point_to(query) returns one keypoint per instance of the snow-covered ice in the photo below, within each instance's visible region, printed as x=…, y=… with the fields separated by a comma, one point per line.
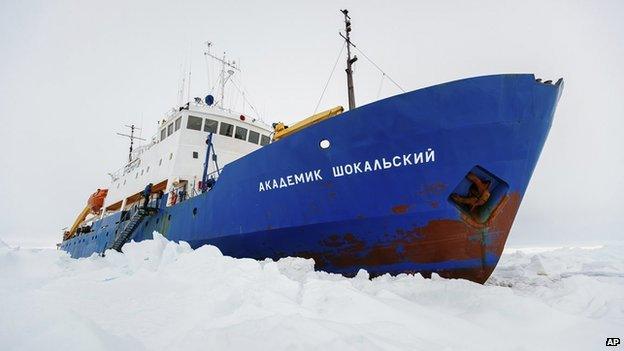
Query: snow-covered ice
x=160, y=295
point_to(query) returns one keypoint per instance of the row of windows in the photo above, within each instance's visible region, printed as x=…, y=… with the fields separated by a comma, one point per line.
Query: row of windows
x=145, y=170
x=81, y=240
x=227, y=129
x=172, y=127
x=212, y=126
x=94, y=237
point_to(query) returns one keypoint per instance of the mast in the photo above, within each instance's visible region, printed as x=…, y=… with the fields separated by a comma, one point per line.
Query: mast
x=350, y=61
x=225, y=74
x=131, y=137
x=206, y=53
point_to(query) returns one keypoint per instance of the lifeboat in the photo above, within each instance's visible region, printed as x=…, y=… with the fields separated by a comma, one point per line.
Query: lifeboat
x=94, y=205
x=96, y=200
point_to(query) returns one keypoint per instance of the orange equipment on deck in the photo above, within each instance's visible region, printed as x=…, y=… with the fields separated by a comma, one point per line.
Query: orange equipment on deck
x=96, y=200
x=94, y=205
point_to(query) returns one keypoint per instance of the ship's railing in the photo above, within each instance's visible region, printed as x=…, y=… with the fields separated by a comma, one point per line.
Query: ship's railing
x=196, y=190
x=190, y=189
x=135, y=163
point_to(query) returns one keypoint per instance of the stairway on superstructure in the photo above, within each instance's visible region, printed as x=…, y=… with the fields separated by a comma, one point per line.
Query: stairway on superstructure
x=132, y=225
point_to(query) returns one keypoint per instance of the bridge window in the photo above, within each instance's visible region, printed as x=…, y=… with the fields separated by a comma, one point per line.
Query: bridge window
x=195, y=154
x=178, y=122
x=241, y=133
x=170, y=129
x=163, y=134
x=265, y=140
x=194, y=123
x=254, y=137
x=226, y=129
x=211, y=126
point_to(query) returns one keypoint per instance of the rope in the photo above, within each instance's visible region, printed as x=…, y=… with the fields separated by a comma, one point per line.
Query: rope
x=244, y=93
x=329, y=79
x=379, y=68
x=380, y=85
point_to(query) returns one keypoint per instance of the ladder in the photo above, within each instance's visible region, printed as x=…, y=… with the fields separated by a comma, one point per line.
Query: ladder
x=132, y=225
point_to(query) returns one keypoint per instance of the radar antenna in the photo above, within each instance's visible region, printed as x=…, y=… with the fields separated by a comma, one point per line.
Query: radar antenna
x=350, y=61
x=131, y=137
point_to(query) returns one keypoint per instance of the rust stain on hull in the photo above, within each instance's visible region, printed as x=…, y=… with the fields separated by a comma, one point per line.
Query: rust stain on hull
x=433, y=189
x=400, y=209
x=438, y=241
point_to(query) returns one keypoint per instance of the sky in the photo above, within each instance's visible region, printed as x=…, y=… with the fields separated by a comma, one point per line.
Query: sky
x=73, y=73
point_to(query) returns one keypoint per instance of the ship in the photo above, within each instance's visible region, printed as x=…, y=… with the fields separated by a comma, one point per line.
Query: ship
x=428, y=181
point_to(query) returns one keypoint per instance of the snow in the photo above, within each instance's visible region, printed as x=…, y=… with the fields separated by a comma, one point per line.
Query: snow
x=160, y=295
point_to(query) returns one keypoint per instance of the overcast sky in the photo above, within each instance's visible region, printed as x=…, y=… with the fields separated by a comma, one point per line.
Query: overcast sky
x=72, y=73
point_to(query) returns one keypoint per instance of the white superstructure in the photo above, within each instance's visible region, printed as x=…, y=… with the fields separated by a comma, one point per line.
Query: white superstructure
x=174, y=158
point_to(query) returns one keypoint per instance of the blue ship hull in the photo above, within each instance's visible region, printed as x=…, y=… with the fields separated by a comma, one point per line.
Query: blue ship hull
x=380, y=197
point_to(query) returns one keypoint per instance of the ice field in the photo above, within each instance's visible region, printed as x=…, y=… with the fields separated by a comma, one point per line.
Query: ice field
x=160, y=295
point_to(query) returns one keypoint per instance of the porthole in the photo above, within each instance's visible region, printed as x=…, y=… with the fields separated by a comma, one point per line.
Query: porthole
x=194, y=211
x=169, y=217
x=324, y=144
